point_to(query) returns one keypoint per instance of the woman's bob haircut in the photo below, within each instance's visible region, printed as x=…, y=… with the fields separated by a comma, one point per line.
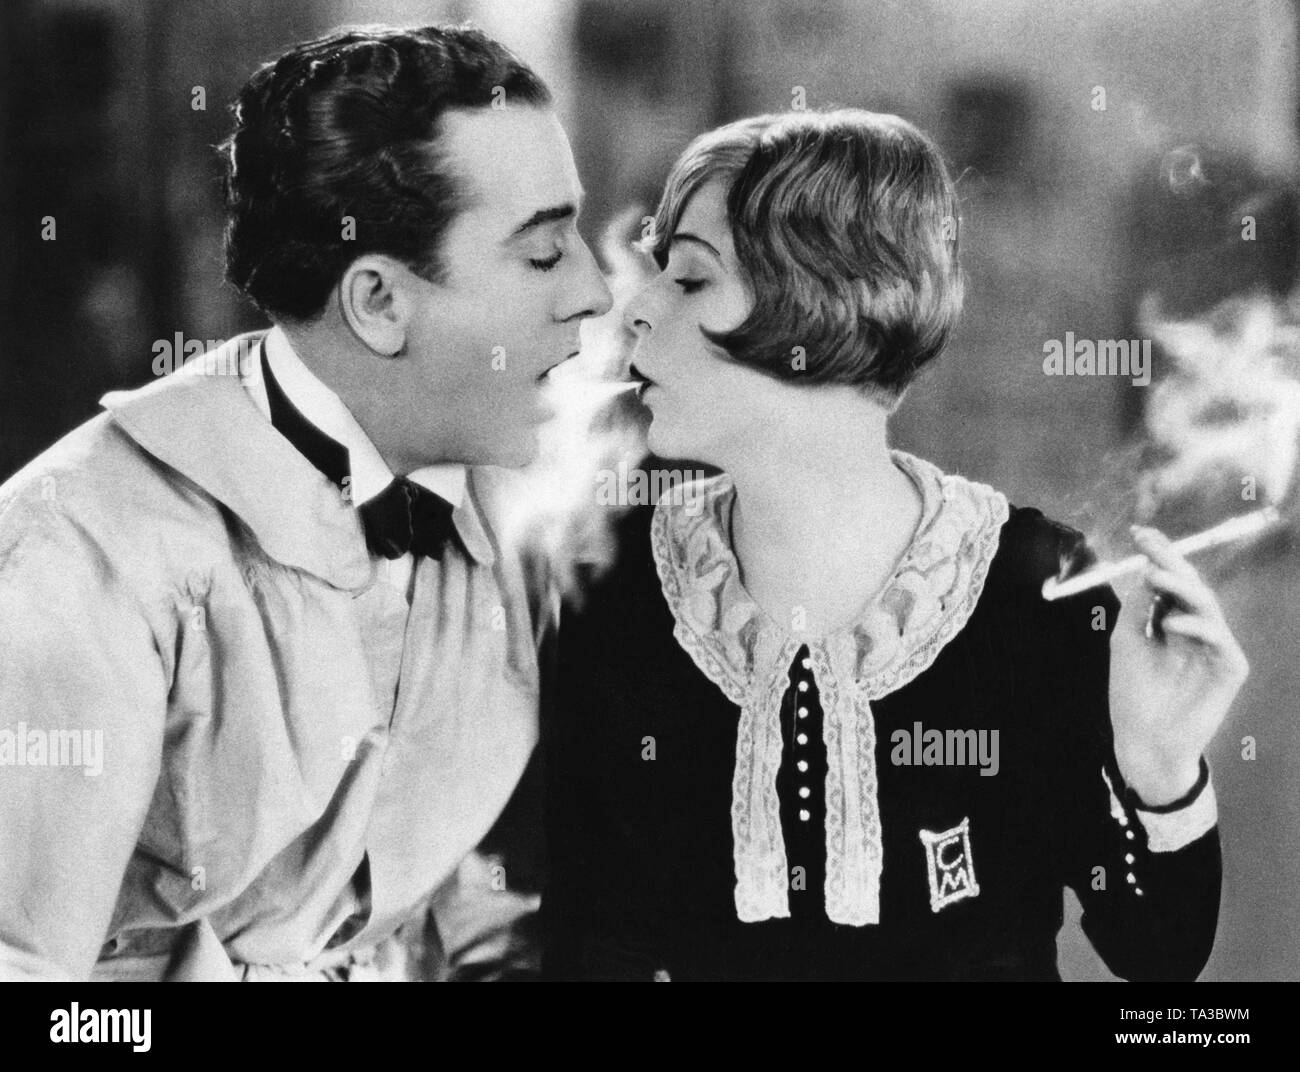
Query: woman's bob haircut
x=846, y=227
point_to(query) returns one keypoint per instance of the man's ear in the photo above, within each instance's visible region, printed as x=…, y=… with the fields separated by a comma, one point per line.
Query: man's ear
x=375, y=303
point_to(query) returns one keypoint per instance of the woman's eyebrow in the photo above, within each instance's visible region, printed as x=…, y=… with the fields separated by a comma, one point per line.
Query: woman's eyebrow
x=686, y=236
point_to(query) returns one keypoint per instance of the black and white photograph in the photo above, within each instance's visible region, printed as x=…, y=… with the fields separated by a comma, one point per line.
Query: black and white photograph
x=650, y=490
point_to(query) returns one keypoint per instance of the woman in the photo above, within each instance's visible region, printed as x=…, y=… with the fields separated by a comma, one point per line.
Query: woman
x=818, y=721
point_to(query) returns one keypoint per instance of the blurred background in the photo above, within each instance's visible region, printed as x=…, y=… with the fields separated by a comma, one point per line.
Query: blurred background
x=1109, y=154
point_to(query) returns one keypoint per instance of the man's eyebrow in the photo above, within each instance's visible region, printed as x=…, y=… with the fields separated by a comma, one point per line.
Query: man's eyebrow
x=686, y=236
x=566, y=211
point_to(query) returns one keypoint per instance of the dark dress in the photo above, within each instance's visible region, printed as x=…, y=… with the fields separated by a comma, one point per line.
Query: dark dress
x=641, y=750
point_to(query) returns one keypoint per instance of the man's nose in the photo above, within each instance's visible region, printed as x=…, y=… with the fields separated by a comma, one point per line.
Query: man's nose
x=595, y=298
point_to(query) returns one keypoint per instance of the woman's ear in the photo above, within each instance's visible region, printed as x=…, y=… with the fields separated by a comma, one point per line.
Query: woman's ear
x=375, y=304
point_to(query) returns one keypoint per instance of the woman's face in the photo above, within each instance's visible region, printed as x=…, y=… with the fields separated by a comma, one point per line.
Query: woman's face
x=705, y=406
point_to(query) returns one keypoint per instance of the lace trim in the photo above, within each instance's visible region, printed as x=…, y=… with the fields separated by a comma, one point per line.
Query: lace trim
x=854, y=856
x=758, y=844
x=927, y=601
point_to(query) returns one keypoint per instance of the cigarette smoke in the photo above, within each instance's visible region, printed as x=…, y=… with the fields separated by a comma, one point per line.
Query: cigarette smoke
x=552, y=511
x=1221, y=429
x=1229, y=411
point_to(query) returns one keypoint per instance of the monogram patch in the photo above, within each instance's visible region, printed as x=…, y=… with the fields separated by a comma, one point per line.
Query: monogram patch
x=951, y=866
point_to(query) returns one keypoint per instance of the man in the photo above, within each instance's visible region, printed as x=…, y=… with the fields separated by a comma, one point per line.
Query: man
x=268, y=674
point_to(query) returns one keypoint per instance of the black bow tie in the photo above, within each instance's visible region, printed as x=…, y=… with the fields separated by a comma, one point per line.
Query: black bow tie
x=403, y=517
x=406, y=517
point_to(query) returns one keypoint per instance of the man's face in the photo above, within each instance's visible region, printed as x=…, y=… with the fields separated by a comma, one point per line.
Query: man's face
x=518, y=282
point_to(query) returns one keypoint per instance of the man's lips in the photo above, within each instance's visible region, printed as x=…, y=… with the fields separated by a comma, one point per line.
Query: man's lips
x=542, y=377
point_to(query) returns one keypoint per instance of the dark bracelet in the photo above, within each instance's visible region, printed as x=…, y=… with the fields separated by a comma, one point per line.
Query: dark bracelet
x=1203, y=779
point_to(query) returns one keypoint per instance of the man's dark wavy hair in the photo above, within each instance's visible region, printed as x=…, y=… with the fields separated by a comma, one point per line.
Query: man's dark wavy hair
x=348, y=126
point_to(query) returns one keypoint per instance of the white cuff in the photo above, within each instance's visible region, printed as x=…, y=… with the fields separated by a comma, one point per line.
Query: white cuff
x=1172, y=830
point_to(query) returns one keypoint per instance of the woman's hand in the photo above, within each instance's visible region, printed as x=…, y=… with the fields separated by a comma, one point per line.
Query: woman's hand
x=1171, y=685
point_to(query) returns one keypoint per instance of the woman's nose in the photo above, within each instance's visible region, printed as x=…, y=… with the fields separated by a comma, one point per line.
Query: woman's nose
x=635, y=315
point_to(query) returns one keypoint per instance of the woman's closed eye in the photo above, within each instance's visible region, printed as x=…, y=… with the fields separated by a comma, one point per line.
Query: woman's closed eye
x=688, y=283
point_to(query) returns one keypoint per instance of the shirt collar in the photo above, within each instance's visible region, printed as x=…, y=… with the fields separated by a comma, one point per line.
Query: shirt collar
x=940, y=572
x=204, y=422
x=324, y=408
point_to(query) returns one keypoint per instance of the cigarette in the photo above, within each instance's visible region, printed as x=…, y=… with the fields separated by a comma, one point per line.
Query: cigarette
x=1242, y=527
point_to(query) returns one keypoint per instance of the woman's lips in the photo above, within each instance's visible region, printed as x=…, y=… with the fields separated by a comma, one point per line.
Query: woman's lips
x=646, y=382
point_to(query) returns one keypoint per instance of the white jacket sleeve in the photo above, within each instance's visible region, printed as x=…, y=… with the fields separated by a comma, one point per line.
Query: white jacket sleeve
x=83, y=697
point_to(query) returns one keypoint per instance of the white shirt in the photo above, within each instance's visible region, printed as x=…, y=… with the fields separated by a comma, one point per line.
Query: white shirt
x=270, y=710
x=323, y=408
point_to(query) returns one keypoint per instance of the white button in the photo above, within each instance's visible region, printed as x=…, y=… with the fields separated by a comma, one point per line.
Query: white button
x=804, y=815
x=803, y=686
x=807, y=662
x=1137, y=890
x=1128, y=857
x=801, y=739
x=1128, y=834
x=803, y=712
x=805, y=792
x=803, y=765
x=1132, y=879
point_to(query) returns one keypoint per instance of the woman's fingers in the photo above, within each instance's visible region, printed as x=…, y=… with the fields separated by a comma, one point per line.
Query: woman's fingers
x=1189, y=592
x=1160, y=549
x=1172, y=573
x=1214, y=635
x=1192, y=610
x=1196, y=627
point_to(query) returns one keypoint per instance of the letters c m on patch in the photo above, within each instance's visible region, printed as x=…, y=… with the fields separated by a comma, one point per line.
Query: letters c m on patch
x=950, y=864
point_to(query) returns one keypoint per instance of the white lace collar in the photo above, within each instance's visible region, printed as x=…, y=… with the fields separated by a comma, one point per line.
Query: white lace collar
x=923, y=605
